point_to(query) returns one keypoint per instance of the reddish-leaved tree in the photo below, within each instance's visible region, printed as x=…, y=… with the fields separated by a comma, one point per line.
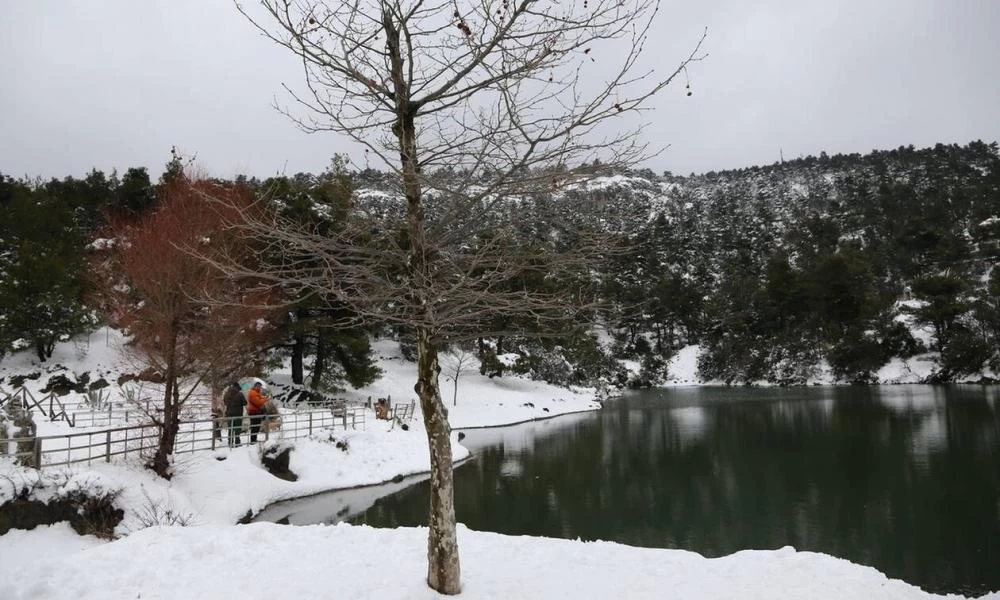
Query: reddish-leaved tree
x=187, y=321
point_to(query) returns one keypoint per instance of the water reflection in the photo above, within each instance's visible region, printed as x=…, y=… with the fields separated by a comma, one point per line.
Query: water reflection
x=902, y=478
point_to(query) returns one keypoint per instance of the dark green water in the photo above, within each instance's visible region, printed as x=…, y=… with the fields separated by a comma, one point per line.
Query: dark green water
x=902, y=478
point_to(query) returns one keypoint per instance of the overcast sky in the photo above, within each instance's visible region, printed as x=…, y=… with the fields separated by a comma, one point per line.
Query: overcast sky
x=116, y=83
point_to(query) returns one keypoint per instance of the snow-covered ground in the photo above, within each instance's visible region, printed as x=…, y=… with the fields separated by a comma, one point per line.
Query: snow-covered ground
x=223, y=486
x=342, y=561
x=20, y=550
x=213, y=558
x=219, y=488
x=682, y=370
x=481, y=401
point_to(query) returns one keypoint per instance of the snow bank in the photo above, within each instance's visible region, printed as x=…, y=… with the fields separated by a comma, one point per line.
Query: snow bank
x=481, y=401
x=343, y=561
x=100, y=352
x=912, y=370
x=682, y=369
x=20, y=550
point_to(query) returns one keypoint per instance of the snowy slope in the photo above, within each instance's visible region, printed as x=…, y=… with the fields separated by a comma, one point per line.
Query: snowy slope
x=481, y=401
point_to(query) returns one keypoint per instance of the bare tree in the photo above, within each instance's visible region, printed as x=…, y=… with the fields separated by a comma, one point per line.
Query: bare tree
x=504, y=98
x=457, y=360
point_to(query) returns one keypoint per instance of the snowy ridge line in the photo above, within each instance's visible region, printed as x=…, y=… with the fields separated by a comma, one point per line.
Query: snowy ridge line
x=202, y=435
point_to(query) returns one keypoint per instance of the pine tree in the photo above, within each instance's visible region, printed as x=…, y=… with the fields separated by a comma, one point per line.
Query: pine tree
x=41, y=293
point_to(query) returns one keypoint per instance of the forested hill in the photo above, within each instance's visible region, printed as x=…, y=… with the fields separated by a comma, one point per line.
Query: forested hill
x=780, y=272
x=775, y=269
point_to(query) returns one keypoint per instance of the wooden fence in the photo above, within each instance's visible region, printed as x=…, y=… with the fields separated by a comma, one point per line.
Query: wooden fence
x=50, y=406
x=79, y=410
x=193, y=436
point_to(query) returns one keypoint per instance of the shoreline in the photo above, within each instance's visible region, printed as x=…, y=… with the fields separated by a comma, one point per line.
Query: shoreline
x=249, y=518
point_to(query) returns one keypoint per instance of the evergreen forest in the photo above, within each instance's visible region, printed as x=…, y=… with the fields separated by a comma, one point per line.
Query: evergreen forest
x=842, y=262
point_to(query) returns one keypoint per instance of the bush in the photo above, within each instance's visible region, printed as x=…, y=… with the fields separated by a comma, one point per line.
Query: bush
x=732, y=359
x=898, y=341
x=590, y=362
x=549, y=365
x=652, y=371
x=856, y=357
x=89, y=507
x=964, y=354
x=489, y=364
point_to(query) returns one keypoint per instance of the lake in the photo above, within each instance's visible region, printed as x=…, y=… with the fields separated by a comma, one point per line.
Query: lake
x=905, y=479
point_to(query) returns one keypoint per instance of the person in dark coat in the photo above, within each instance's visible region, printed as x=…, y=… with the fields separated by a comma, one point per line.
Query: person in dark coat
x=234, y=402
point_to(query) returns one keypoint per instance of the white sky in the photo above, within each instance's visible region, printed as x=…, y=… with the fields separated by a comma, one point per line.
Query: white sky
x=115, y=83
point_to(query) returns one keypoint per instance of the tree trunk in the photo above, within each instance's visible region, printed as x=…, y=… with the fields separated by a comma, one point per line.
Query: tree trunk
x=297, y=352
x=443, y=569
x=319, y=367
x=171, y=421
x=44, y=346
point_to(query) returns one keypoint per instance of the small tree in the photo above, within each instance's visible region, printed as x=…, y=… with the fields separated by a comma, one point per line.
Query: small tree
x=483, y=103
x=135, y=193
x=155, y=288
x=942, y=295
x=456, y=361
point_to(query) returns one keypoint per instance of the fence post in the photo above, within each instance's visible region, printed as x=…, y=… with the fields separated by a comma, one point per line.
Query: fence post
x=107, y=446
x=38, y=452
x=310, y=423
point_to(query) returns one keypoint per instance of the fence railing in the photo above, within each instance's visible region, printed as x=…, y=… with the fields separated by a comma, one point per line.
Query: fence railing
x=122, y=413
x=192, y=436
x=80, y=411
x=50, y=405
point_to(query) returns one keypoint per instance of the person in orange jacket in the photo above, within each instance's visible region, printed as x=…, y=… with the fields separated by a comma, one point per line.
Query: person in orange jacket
x=255, y=408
